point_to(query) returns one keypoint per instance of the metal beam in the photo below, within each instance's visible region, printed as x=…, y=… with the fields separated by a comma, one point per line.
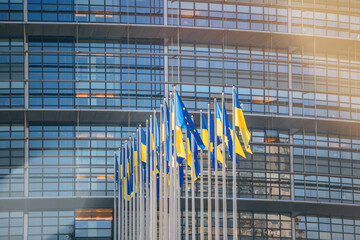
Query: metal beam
x=186, y=33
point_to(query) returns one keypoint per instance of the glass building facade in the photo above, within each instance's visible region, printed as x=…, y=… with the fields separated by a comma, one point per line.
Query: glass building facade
x=78, y=76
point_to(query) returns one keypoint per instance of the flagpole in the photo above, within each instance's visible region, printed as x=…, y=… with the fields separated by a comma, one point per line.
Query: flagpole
x=224, y=171
x=216, y=178
x=165, y=150
x=141, y=193
x=134, y=189
x=138, y=162
x=235, y=235
x=186, y=190
x=121, y=198
x=192, y=147
x=171, y=189
x=161, y=164
x=147, y=232
x=151, y=229
x=174, y=234
x=201, y=186
x=126, y=194
x=155, y=162
x=129, y=196
x=115, y=188
x=209, y=176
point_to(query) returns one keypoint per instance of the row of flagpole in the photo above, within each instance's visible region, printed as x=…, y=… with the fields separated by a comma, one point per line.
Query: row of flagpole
x=149, y=173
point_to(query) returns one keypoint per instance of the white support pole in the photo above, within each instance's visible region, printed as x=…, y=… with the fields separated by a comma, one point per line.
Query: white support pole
x=126, y=194
x=138, y=163
x=134, y=193
x=165, y=164
x=161, y=173
x=186, y=195
x=193, y=219
x=235, y=234
x=151, y=223
x=147, y=174
x=201, y=186
x=174, y=220
x=172, y=163
x=209, y=219
x=141, y=190
x=224, y=170
x=121, y=200
x=216, y=177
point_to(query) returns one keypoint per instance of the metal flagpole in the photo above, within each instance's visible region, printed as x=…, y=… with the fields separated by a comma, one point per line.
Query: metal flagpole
x=161, y=199
x=147, y=222
x=134, y=192
x=193, y=220
x=141, y=196
x=151, y=223
x=201, y=186
x=120, y=202
x=209, y=176
x=121, y=198
x=115, y=188
x=125, y=193
x=235, y=235
x=187, y=192
x=129, y=197
x=165, y=151
x=172, y=158
x=224, y=172
x=174, y=233
x=138, y=162
x=216, y=178
x=154, y=220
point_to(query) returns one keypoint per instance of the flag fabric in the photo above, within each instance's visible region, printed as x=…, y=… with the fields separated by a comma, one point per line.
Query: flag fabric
x=204, y=131
x=166, y=130
x=135, y=154
x=143, y=146
x=240, y=122
x=222, y=122
x=205, y=135
x=116, y=172
x=180, y=149
x=184, y=121
x=191, y=155
x=229, y=134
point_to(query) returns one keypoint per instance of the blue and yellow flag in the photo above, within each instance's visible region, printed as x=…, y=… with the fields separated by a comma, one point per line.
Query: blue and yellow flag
x=240, y=122
x=143, y=146
x=129, y=169
x=116, y=172
x=180, y=149
x=190, y=156
x=223, y=121
x=205, y=134
x=135, y=154
x=184, y=121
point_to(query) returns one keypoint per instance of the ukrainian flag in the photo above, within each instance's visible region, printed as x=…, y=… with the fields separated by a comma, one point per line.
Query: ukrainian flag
x=143, y=146
x=221, y=117
x=196, y=166
x=240, y=122
x=229, y=133
x=205, y=134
